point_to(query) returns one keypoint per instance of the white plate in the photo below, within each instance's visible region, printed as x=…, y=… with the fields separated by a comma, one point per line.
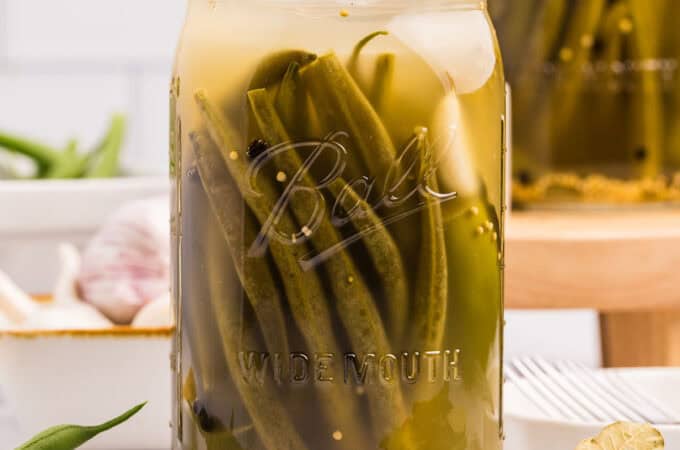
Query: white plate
x=527, y=429
x=50, y=378
x=37, y=215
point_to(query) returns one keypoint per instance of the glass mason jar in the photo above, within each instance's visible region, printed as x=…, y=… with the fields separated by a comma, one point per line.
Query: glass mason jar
x=596, y=99
x=338, y=225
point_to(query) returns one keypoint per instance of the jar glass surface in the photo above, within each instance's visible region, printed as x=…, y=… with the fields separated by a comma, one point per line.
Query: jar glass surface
x=596, y=100
x=337, y=226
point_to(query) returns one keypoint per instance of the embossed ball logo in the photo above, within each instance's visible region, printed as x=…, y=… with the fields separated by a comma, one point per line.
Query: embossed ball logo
x=404, y=191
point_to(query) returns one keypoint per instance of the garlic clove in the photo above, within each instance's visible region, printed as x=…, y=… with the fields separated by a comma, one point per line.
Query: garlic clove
x=157, y=314
x=15, y=304
x=65, y=289
x=72, y=316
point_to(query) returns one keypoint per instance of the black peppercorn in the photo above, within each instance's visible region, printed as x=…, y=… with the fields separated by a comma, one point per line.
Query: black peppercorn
x=256, y=148
x=205, y=421
x=640, y=154
x=524, y=177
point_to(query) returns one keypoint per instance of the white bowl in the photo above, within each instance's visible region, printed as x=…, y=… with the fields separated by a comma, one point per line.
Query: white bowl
x=527, y=429
x=88, y=377
x=39, y=214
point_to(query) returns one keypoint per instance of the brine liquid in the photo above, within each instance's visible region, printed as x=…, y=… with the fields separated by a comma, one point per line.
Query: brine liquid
x=338, y=229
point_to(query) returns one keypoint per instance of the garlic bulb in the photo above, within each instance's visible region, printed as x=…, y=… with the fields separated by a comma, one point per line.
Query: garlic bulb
x=126, y=265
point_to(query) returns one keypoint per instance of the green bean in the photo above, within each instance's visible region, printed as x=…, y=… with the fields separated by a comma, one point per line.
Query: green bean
x=201, y=334
x=340, y=103
x=531, y=81
x=574, y=55
x=272, y=68
x=648, y=101
x=44, y=156
x=270, y=418
x=69, y=437
x=473, y=241
x=431, y=299
x=382, y=81
x=384, y=254
x=515, y=32
x=290, y=100
x=303, y=288
x=105, y=163
x=354, y=302
x=254, y=273
x=353, y=63
x=70, y=164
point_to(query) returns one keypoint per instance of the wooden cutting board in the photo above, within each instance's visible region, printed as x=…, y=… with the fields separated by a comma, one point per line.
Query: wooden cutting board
x=625, y=264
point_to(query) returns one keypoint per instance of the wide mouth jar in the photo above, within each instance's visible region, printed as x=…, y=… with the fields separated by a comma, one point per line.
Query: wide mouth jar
x=320, y=152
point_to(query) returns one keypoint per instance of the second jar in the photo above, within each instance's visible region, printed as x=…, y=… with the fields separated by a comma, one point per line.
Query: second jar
x=596, y=100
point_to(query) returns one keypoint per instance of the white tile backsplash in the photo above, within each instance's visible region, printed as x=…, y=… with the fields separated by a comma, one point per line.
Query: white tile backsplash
x=56, y=108
x=66, y=65
x=102, y=31
x=151, y=132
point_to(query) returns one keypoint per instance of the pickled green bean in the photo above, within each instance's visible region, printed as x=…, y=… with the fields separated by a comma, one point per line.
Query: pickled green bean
x=202, y=336
x=272, y=68
x=254, y=273
x=431, y=300
x=274, y=426
x=382, y=81
x=574, y=55
x=353, y=63
x=354, y=302
x=290, y=100
x=385, y=256
x=339, y=101
x=304, y=291
x=645, y=15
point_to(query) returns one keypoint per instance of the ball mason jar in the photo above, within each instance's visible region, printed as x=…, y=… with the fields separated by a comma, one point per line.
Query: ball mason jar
x=596, y=100
x=337, y=226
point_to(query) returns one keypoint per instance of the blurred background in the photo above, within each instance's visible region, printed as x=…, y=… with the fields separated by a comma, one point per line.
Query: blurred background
x=592, y=250
x=65, y=68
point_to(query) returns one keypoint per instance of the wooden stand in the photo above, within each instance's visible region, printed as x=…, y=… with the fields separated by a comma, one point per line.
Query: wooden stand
x=624, y=264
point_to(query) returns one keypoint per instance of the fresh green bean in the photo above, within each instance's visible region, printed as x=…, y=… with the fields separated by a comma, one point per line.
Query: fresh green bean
x=44, y=156
x=105, y=162
x=339, y=101
x=254, y=273
x=70, y=164
x=382, y=81
x=354, y=302
x=431, y=299
x=69, y=437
